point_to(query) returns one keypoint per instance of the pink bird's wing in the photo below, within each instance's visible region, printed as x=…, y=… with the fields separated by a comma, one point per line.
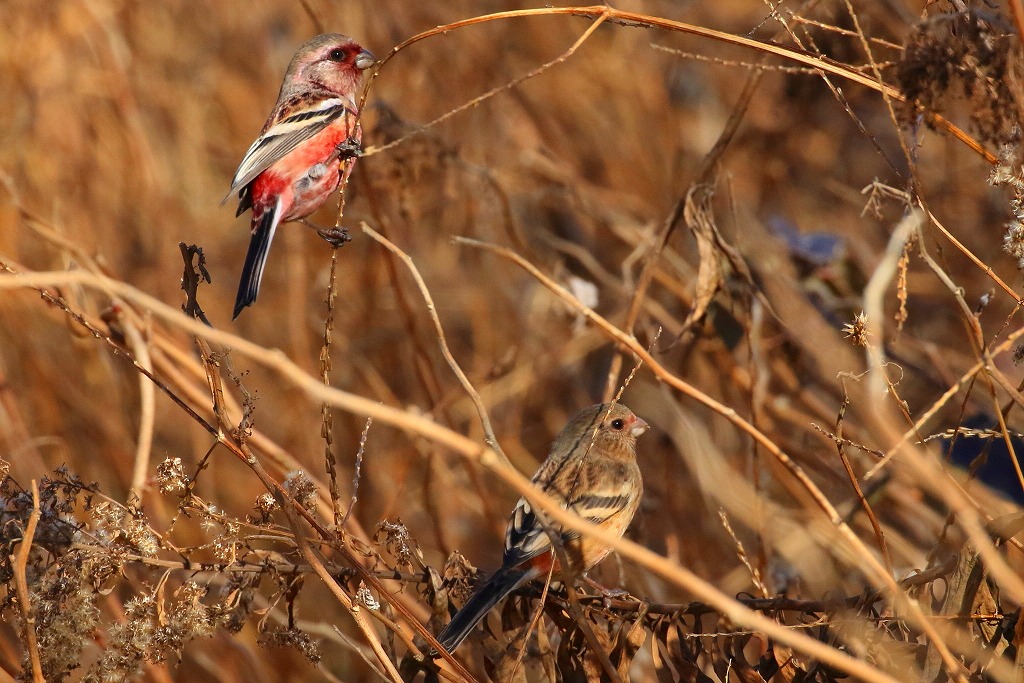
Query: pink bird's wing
x=292, y=126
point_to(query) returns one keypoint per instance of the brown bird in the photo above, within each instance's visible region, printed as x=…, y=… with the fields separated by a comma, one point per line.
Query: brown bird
x=590, y=470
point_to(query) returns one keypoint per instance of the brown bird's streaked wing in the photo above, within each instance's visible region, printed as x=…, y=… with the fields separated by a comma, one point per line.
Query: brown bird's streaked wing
x=525, y=537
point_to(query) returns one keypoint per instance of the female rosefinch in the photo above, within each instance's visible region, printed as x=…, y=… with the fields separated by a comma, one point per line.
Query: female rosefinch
x=296, y=162
x=591, y=470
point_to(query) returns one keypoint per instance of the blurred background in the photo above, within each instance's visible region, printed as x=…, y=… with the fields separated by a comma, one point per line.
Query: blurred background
x=121, y=124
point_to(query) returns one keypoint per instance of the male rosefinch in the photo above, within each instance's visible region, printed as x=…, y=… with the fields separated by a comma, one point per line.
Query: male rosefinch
x=591, y=470
x=296, y=162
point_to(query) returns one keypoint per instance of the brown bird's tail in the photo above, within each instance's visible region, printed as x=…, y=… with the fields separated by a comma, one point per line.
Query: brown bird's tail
x=480, y=603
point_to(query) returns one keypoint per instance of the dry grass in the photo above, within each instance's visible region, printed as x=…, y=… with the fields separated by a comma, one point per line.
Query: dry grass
x=648, y=197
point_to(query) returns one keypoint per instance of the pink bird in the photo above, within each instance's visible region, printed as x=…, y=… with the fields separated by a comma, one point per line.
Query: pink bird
x=296, y=162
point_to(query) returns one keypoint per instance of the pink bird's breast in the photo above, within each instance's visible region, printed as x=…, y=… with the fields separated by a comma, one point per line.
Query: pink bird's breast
x=304, y=178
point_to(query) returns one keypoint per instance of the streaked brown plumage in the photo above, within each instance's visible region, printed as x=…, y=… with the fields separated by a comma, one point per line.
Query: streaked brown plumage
x=590, y=469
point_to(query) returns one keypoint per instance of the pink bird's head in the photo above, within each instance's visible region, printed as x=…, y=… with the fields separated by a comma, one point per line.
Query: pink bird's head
x=331, y=61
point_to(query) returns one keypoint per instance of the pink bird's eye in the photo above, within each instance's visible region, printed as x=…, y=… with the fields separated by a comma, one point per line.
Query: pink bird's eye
x=336, y=55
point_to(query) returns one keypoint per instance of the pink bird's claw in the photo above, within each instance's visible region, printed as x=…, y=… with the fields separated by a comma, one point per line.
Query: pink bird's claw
x=349, y=149
x=336, y=237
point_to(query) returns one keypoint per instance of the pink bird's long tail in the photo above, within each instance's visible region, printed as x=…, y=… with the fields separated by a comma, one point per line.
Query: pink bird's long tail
x=480, y=603
x=256, y=258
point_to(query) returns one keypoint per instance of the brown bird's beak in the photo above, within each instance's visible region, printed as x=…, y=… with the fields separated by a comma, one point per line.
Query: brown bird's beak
x=639, y=427
x=364, y=60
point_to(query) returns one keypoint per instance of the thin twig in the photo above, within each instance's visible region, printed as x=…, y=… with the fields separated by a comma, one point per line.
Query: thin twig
x=354, y=646
x=596, y=647
x=21, y=581
x=534, y=620
x=356, y=470
x=474, y=395
x=1017, y=10
x=487, y=95
x=741, y=553
x=147, y=406
x=612, y=15
x=984, y=267
x=327, y=419
x=992, y=372
x=672, y=221
x=852, y=476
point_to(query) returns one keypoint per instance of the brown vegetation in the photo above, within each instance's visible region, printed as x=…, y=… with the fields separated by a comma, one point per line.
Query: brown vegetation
x=789, y=239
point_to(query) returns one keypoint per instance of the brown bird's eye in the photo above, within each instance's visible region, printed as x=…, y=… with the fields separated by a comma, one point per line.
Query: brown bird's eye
x=336, y=55
x=618, y=424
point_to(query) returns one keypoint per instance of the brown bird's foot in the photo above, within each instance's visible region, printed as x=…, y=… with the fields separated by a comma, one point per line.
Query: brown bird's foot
x=336, y=237
x=349, y=149
x=607, y=594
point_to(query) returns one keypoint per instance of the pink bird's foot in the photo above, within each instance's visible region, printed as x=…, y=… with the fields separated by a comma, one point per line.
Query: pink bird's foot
x=350, y=148
x=336, y=237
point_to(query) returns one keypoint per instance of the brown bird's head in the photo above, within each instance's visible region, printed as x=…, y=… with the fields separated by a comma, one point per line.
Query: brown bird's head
x=610, y=426
x=331, y=61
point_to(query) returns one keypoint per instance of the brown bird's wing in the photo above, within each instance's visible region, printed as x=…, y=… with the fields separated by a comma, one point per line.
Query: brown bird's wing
x=296, y=121
x=526, y=538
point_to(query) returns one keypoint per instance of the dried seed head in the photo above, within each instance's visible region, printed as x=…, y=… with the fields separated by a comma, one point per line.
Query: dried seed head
x=858, y=329
x=266, y=503
x=300, y=487
x=170, y=476
x=291, y=637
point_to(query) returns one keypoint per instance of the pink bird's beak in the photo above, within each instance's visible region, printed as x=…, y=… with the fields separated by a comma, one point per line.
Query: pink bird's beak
x=639, y=427
x=364, y=60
